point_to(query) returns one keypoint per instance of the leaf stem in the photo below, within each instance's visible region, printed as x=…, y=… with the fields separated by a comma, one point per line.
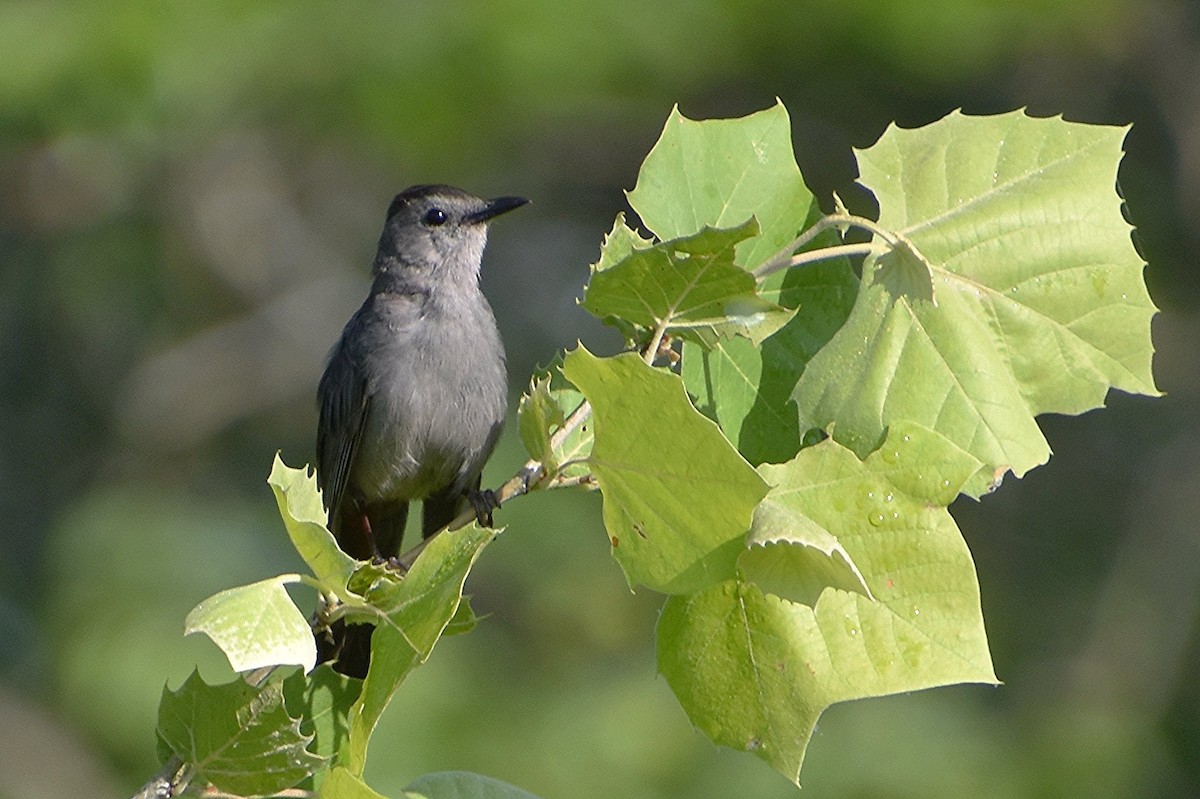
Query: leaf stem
x=829, y=253
x=650, y=351
x=785, y=259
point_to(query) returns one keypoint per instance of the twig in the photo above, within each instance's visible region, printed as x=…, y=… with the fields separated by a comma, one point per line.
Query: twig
x=166, y=781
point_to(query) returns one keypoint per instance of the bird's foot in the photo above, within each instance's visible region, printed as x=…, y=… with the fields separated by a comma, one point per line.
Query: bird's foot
x=483, y=502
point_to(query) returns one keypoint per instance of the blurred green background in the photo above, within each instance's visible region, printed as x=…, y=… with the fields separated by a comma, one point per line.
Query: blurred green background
x=190, y=195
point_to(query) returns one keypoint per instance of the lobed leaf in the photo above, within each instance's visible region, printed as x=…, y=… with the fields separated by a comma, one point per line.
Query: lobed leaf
x=678, y=499
x=620, y=242
x=1040, y=302
x=304, y=516
x=754, y=670
x=237, y=737
x=322, y=700
x=689, y=286
x=720, y=173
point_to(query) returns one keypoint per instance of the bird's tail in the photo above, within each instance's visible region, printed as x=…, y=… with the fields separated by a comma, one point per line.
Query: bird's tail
x=347, y=647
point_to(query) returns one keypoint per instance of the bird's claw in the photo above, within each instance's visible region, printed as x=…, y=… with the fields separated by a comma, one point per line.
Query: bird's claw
x=483, y=502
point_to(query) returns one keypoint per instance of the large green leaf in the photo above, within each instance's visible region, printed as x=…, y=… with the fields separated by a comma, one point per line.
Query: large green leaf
x=1016, y=291
x=721, y=172
x=322, y=700
x=238, y=737
x=690, y=286
x=417, y=609
x=678, y=499
x=754, y=670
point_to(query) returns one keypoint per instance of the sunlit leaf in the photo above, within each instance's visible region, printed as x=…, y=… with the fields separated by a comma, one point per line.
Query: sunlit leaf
x=256, y=625
x=678, y=498
x=304, y=517
x=754, y=671
x=721, y=172
x=1040, y=302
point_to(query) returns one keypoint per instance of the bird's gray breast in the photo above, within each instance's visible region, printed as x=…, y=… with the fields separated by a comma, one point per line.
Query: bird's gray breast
x=438, y=393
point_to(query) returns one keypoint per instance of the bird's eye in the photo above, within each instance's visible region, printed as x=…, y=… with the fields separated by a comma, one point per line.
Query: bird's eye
x=435, y=216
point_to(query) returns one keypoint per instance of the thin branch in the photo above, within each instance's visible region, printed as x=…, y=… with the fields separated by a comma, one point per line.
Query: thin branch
x=166, y=781
x=529, y=475
x=572, y=482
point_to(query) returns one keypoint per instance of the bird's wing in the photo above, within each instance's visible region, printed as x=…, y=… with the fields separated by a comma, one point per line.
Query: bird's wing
x=343, y=400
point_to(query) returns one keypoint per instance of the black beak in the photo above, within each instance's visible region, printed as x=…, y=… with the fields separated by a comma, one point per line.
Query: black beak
x=496, y=207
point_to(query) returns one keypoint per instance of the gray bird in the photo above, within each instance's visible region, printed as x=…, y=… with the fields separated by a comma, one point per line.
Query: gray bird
x=415, y=392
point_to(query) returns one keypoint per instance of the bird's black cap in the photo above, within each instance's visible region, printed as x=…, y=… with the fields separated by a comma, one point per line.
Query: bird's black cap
x=486, y=208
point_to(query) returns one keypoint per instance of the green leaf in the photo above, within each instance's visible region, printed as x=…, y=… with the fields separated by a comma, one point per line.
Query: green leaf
x=464, y=620
x=690, y=286
x=619, y=244
x=793, y=557
x=462, y=785
x=678, y=499
x=322, y=700
x=418, y=608
x=543, y=411
x=341, y=784
x=237, y=737
x=754, y=671
x=571, y=454
x=256, y=625
x=719, y=173
x=1040, y=302
x=538, y=416
x=304, y=517
x=747, y=389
